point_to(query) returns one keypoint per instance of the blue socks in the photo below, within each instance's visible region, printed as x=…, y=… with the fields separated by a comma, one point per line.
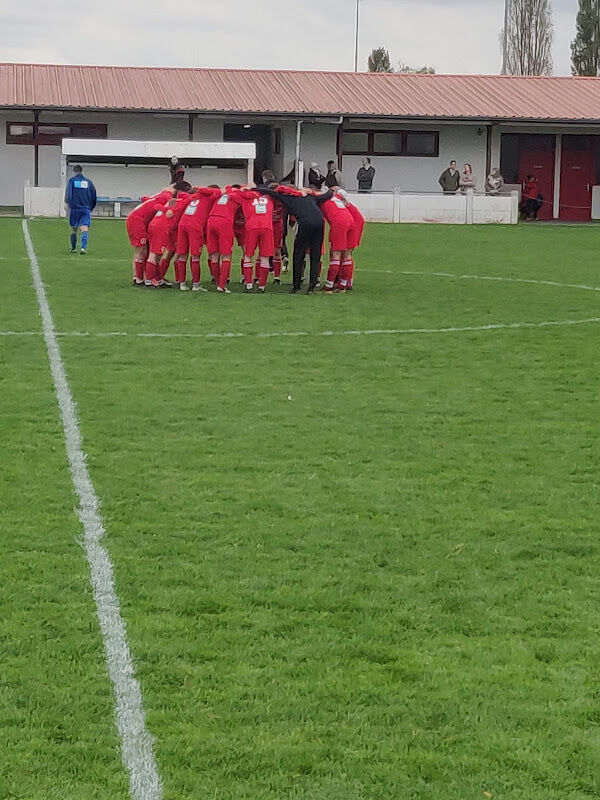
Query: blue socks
x=84, y=240
x=73, y=241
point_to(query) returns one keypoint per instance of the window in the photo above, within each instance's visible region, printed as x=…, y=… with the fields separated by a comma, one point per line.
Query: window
x=355, y=142
x=17, y=133
x=52, y=133
x=420, y=144
x=389, y=144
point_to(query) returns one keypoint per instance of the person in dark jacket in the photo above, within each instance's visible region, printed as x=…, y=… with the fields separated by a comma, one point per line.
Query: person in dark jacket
x=365, y=176
x=449, y=180
x=80, y=197
x=334, y=177
x=315, y=178
x=306, y=209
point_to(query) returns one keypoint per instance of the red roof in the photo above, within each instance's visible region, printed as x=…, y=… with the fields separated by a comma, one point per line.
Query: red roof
x=477, y=97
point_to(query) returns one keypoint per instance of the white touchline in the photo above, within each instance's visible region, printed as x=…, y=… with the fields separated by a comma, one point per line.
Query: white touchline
x=491, y=326
x=136, y=742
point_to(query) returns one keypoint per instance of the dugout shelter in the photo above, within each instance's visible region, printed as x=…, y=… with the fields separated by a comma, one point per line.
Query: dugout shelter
x=125, y=170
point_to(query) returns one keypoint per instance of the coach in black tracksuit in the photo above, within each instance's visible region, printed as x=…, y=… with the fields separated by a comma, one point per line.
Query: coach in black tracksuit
x=309, y=237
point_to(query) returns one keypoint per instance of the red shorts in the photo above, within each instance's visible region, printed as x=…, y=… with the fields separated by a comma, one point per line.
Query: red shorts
x=261, y=238
x=340, y=235
x=219, y=236
x=356, y=234
x=277, y=233
x=160, y=236
x=189, y=241
x=138, y=234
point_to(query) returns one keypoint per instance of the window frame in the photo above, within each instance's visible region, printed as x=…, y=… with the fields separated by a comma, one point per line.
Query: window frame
x=77, y=130
x=402, y=153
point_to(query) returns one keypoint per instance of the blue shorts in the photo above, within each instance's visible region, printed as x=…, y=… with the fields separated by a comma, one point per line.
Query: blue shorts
x=79, y=217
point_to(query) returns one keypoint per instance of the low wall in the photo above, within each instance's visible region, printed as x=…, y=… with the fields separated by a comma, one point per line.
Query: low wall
x=457, y=209
x=41, y=202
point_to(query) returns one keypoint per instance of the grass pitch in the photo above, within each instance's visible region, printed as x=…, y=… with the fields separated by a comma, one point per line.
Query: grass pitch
x=383, y=587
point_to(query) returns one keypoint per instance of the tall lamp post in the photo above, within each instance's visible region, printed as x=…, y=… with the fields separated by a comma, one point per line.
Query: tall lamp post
x=505, y=38
x=356, y=37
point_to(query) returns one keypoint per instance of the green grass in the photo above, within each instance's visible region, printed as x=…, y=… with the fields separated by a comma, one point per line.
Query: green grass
x=385, y=587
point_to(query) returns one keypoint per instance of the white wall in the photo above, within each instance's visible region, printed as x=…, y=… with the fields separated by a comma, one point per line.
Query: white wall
x=318, y=143
x=16, y=162
x=413, y=174
x=438, y=208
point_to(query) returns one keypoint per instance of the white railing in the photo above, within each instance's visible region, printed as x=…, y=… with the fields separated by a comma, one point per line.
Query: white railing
x=455, y=209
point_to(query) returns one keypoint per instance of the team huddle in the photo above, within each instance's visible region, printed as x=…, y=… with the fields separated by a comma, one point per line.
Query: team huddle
x=181, y=220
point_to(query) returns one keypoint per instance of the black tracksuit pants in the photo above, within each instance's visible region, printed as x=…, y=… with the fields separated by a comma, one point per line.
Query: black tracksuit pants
x=309, y=237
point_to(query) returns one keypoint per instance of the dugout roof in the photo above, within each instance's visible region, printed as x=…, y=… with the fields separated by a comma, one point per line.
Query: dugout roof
x=314, y=94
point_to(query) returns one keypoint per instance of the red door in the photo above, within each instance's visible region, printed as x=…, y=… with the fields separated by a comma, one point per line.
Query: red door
x=541, y=164
x=577, y=176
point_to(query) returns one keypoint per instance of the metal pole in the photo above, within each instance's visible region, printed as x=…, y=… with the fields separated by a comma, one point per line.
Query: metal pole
x=356, y=37
x=505, y=39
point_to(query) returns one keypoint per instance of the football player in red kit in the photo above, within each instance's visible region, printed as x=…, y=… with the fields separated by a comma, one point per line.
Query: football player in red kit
x=191, y=234
x=268, y=179
x=137, y=230
x=347, y=266
x=219, y=235
x=162, y=233
x=239, y=232
x=341, y=226
x=258, y=213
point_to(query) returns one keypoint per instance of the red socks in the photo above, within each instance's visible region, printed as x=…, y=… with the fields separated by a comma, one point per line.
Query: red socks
x=163, y=266
x=247, y=272
x=263, y=274
x=277, y=267
x=138, y=267
x=213, y=265
x=351, y=276
x=345, y=272
x=224, y=272
x=150, y=271
x=180, y=269
x=332, y=273
x=195, y=269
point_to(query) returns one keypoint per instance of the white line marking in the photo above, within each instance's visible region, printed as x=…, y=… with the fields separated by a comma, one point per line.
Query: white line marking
x=492, y=326
x=500, y=278
x=136, y=742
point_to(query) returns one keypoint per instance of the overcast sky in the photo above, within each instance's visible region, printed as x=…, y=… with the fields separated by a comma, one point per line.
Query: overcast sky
x=454, y=36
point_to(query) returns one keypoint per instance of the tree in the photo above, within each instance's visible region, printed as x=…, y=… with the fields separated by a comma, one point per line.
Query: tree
x=405, y=69
x=585, y=48
x=529, y=37
x=379, y=60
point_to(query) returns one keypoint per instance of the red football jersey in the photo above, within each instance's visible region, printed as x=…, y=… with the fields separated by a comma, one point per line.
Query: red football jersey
x=226, y=205
x=335, y=211
x=144, y=212
x=197, y=211
x=258, y=211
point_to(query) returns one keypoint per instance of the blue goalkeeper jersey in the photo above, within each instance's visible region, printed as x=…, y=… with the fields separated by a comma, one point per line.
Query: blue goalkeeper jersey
x=80, y=193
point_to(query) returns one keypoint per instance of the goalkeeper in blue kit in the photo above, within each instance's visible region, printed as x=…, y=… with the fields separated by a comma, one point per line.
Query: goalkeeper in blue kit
x=80, y=197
